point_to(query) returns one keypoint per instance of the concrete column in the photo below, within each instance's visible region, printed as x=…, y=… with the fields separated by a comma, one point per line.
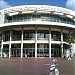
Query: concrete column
x=62, y=44
x=1, y=22
x=36, y=42
x=2, y=46
x=70, y=44
x=2, y=17
x=22, y=44
x=10, y=45
x=49, y=42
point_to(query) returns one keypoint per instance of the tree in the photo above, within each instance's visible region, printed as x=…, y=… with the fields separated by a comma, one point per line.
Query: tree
x=71, y=40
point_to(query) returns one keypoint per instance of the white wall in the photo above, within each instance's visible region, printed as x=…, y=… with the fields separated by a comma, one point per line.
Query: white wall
x=73, y=49
x=1, y=18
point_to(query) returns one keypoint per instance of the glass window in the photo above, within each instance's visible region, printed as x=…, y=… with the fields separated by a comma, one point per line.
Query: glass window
x=34, y=17
x=20, y=18
x=16, y=50
x=29, y=34
x=29, y=50
x=6, y=18
x=42, y=50
x=16, y=35
x=5, y=50
x=28, y=17
x=55, y=50
x=42, y=34
x=0, y=36
x=6, y=35
x=55, y=35
x=25, y=17
x=65, y=36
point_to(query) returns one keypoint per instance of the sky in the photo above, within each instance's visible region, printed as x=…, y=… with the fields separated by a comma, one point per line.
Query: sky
x=70, y=4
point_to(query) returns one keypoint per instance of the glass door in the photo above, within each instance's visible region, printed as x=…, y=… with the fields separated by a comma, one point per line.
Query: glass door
x=28, y=50
x=43, y=50
x=15, y=52
x=56, y=50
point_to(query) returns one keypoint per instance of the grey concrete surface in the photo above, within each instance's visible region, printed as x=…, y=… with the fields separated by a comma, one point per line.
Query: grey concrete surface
x=34, y=66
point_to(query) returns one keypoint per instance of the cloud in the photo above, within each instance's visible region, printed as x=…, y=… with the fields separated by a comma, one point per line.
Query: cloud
x=4, y=4
x=70, y=4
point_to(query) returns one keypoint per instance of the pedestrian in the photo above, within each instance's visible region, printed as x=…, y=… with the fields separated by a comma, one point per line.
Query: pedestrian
x=53, y=70
x=25, y=55
x=69, y=58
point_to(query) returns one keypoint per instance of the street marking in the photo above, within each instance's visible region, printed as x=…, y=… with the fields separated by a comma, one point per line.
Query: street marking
x=46, y=64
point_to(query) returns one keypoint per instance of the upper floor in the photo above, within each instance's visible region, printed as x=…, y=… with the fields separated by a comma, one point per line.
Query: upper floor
x=41, y=13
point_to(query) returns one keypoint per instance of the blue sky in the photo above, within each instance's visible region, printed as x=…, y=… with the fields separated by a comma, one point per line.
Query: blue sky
x=45, y=2
x=61, y=3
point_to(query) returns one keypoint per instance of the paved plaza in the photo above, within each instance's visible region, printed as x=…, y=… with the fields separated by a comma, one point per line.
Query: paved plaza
x=34, y=66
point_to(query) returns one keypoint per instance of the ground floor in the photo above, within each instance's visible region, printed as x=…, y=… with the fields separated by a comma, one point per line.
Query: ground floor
x=33, y=50
x=33, y=41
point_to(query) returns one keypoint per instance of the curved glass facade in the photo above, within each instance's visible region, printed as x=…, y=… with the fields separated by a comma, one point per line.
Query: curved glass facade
x=40, y=17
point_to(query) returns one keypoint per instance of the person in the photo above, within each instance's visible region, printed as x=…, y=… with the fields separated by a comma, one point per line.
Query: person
x=69, y=58
x=25, y=55
x=53, y=70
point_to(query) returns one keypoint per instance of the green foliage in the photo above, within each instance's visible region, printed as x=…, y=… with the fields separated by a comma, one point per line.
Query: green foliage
x=71, y=39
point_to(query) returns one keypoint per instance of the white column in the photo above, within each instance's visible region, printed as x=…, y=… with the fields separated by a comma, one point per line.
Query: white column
x=62, y=43
x=70, y=45
x=36, y=42
x=22, y=44
x=10, y=45
x=2, y=17
x=2, y=46
x=49, y=42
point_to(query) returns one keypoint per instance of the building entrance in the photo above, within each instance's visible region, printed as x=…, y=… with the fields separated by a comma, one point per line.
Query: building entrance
x=43, y=50
x=29, y=50
x=56, y=51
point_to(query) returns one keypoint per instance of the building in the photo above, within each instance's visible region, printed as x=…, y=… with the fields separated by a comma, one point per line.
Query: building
x=35, y=31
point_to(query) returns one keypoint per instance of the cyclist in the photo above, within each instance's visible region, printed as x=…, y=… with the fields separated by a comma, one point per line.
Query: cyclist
x=53, y=70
